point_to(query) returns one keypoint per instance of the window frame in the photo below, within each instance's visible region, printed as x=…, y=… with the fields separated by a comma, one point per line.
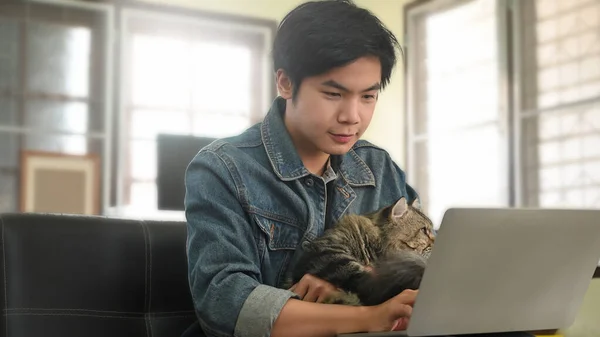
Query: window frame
x=126, y=9
x=411, y=12
x=110, y=55
x=510, y=36
x=105, y=60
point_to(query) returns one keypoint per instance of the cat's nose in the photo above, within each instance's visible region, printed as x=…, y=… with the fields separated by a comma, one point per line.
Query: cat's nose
x=427, y=252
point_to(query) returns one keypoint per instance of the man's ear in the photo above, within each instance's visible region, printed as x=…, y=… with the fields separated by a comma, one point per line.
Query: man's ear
x=284, y=84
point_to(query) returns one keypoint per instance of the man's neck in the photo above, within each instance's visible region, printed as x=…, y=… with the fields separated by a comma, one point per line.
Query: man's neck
x=315, y=163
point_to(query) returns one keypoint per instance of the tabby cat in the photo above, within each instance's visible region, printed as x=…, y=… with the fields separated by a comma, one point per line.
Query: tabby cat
x=371, y=257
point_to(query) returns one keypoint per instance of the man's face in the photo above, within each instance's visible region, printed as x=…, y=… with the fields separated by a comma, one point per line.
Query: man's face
x=332, y=111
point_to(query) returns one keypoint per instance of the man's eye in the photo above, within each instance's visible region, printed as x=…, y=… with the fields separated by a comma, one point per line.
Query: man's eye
x=369, y=96
x=332, y=94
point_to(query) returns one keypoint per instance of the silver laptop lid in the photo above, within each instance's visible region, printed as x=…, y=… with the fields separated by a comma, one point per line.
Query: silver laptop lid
x=495, y=270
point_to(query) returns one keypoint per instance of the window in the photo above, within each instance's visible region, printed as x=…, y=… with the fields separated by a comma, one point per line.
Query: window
x=73, y=80
x=52, y=84
x=184, y=76
x=560, y=102
x=504, y=103
x=458, y=129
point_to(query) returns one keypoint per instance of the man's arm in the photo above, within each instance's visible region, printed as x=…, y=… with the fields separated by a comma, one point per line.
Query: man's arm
x=223, y=258
x=225, y=277
x=304, y=319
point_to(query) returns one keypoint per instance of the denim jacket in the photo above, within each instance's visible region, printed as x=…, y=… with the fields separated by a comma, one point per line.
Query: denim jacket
x=250, y=204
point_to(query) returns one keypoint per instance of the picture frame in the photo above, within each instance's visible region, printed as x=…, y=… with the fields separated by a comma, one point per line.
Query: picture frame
x=59, y=183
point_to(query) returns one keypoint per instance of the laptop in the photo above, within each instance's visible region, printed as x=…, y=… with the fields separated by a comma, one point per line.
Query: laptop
x=504, y=270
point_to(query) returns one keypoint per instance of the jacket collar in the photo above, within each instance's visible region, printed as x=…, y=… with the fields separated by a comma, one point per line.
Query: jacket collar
x=286, y=162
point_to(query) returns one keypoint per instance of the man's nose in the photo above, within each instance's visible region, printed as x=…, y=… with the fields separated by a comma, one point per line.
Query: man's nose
x=350, y=112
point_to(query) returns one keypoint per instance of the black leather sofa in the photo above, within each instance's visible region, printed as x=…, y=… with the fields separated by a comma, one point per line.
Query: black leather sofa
x=80, y=276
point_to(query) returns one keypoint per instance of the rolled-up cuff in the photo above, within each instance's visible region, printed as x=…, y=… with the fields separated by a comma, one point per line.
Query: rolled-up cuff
x=260, y=310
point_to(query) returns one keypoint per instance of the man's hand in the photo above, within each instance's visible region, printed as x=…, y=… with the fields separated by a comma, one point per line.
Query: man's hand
x=313, y=289
x=394, y=314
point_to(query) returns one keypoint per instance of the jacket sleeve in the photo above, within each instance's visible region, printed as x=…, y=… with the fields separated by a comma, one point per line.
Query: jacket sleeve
x=223, y=257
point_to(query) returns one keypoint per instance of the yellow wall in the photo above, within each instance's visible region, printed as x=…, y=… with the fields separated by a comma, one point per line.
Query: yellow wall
x=387, y=127
x=587, y=323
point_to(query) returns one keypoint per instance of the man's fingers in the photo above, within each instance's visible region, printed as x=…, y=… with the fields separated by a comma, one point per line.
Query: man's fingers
x=311, y=295
x=312, y=289
x=407, y=312
x=322, y=297
x=300, y=289
x=408, y=297
x=400, y=324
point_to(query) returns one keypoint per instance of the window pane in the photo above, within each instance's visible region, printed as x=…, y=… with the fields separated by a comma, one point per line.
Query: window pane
x=220, y=125
x=459, y=156
x=591, y=197
x=161, y=69
x=143, y=196
x=180, y=80
x=9, y=171
x=220, y=71
x=57, y=116
x=9, y=150
x=8, y=190
x=143, y=159
x=563, y=152
x=466, y=169
x=462, y=87
x=147, y=124
x=8, y=111
x=60, y=143
x=58, y=59
x=562, y=52
x=9, y=54
x=420, y=175
x=590, y=147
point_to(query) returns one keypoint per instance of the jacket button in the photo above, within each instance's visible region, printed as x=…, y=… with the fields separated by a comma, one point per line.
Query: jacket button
x=310, y=182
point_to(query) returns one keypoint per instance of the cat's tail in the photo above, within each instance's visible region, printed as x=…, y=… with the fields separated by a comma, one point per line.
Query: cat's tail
x=391, y=275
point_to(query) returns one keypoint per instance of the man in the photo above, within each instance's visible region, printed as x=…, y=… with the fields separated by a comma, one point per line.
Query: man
x=253, y=199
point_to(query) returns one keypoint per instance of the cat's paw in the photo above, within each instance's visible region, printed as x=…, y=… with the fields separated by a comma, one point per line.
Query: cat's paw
x=343, y=298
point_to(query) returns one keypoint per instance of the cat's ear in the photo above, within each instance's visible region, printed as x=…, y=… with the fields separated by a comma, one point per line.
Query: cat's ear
x=416, y=203
x=399, y=208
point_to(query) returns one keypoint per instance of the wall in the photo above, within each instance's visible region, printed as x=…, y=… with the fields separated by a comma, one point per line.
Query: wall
x=587, y=323
x=387, y=127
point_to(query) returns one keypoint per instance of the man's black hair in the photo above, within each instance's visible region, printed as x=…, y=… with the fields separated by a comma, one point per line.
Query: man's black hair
x=318, y=36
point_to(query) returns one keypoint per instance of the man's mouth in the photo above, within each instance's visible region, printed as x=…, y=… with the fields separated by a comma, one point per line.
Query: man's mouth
x=342, y=137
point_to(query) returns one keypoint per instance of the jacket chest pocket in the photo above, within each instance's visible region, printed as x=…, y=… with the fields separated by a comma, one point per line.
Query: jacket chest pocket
x=277, y=245
x=279, y=235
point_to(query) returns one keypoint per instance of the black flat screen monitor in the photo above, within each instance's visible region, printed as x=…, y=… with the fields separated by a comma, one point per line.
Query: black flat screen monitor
x=174, y=153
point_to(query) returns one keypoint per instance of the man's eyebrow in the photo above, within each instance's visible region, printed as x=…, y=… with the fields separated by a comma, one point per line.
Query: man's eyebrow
x=375, y=86
x=336, y=85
